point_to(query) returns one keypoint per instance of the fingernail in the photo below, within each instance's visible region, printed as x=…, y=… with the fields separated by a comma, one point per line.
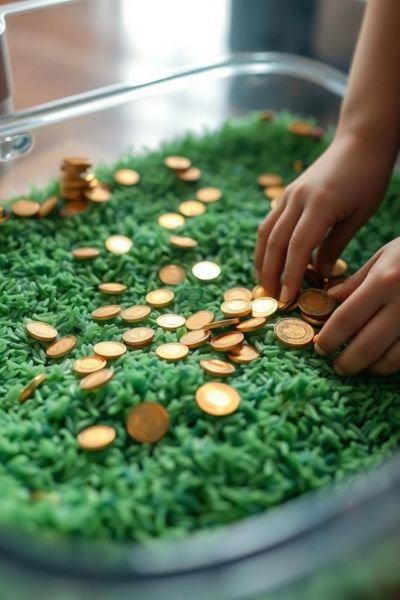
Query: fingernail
x=335, y=288
x=339, y=371
x=285, y=296
x=319, y=350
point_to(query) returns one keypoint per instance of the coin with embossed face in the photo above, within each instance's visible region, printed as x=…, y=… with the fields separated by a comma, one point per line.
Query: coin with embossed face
x=294, y=332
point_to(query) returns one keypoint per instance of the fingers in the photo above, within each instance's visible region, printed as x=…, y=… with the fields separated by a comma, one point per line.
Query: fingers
x=334, y=243
x=389, y=362
x=263, y=233
x=344, y=290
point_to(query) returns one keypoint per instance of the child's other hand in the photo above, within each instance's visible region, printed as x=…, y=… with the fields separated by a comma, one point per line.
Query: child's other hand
x=369, y=317
x=323, y=208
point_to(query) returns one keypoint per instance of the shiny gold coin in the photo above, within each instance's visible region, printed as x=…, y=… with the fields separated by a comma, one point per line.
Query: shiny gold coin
x=41, y=331
x=259, y=292
x=237, y=293
x=182, y=241
x=112, y=289
x=61, y=347
x=96, y=437
x=25, y=208
x=300, y=128
x=100, y=193
x=294, y=332
x=236, y=308
x=221, y=324
x=118, y=244
x=192, y=208
x=135, y=313
x=104, y=313
x=138, y=337
x=219, y=368
x=244, y=355
x=32, y=386
x=208, y=194
x=126, y=177
x=85, y=253
x=172, y=351
x=268, y=179
x=206, y=270
x=225, y=342
x=96, y=380
x=284, y=306
x=275, y=202
x=339, y=268
x=195, y=339
x=109, y=350
x=199, y=319
x=217, y=399
x=170, y=321
x=172, y=274
x=171, y=220
x=274, y=191
x=264, y=307
x=47, y=207
x=88, y=364
x=148, y=422
x=160, y=298
x=191, y=174
x=252, y=324
x=73, y=208
x=316, y=303
x=177, y=163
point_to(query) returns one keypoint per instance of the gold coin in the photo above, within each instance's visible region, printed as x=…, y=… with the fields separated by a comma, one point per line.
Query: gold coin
x=339, y=268
x=177, y=163
x=182, y=241
x=135, y=313
x=191, y=174
x=237, y=293
x=196, y=338
x=88, y=364
x=112, y=289
x=220, y=368
x=126, y=177
x=172, y=274
x=32, y=386
x=41, y=331
x=192, y=208
x=170, y=321
x=77, y=163
x=208, y=194
x=315, y=322
x=104, y=313
x=264, y=307
x=274, y=191
x=244, y=355
x=275, y=202
x=266, y=115
x=100, y=193
x=171, y=220
x=294, y=332
x=47, y=207
x=316, y=303
x=109, y=350
x=160, y=298
x=96, y=380
x=267, y=179
x=225, y=342
x=221, y=324
x=118, y=244
x=148, y=422
x=96, y=437
x=138, y=337
x=172, y=351
x=259, y=292
x=236, y=308
x=217, y=399
x=25, y=208
x=206, y=270
x=73, y=208
x=85, y=253
x=199, y=319
x=300, y=128
x=251, y=324
x=61, y=347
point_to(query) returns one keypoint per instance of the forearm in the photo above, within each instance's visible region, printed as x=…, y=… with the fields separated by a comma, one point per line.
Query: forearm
x=371, y=109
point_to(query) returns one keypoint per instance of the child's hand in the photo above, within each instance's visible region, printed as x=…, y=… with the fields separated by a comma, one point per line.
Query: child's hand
x=324, y=207
x=369, y=317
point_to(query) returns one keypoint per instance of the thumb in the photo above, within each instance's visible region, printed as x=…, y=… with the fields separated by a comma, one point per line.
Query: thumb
x=344, y=290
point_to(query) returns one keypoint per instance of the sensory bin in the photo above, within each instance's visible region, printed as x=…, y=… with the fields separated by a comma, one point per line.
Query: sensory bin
x=299, y=427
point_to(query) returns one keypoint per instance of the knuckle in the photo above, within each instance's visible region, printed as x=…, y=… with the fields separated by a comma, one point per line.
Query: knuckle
x=274, y=243
x=389, y=278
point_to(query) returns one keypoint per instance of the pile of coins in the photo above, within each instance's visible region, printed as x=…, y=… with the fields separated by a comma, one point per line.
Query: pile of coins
x=183, y=168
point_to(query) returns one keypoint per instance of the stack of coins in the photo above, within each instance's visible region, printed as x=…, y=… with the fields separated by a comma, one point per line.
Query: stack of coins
x=76, y=179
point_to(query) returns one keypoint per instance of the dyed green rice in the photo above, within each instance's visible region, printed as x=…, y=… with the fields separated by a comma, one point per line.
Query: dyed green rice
x=299, y=427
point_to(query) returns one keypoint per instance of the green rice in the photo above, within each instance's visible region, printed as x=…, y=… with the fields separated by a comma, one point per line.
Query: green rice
x=299, y=427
